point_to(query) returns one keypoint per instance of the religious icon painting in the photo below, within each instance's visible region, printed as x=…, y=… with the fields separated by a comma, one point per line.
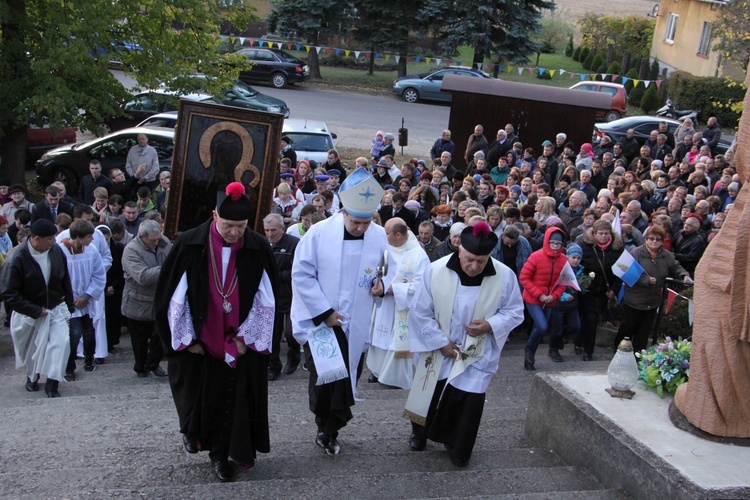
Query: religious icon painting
x=216, y=145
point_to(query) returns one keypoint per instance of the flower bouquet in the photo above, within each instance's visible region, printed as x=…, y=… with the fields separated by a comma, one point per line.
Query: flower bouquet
x=665, y=366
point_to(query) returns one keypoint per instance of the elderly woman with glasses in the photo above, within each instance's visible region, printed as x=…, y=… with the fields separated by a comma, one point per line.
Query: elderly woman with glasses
x=642, y=300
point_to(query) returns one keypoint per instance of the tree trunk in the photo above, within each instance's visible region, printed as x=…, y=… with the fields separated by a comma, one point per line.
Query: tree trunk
x=312, y=60
x=13, y=154
x=403, y=49
x=478, y=59
x=626, y=62
x=610, y=54
x=644, y=69
x=538, y=54
x=371, y=63
x=14, y=68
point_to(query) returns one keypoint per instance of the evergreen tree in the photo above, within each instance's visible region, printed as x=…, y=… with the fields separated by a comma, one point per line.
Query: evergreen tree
x=636, y=95
x=632, y=75
x=587, y=62
x=54, y=59
x=654, y=72
x=650, y=99
x=490, y=27
x=584, y=54
x=306, y=19
x=569, y=48
x=577, y=54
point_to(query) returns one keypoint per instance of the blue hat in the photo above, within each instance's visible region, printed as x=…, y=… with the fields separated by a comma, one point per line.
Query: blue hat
x=334, y=171
x=286, y=175
x=321, y=178
x=516, y=188
x=477, y=177
x=360, y=193
x=574, y=249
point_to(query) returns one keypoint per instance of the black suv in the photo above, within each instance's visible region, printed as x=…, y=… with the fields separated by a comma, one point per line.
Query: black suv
x=277, y=67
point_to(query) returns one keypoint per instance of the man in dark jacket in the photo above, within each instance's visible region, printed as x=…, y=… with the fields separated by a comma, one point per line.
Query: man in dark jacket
x=427, y=239
x=689, y=245
x=499, y=147
x=443, y=144
x=477, y=142
x=572, y=215
x=283, y=246
x=398, y=210
x=451, y=243
x=216, y=329
x=36, y=285
x=51, y=206
x=630, y=145
x=712, y=134
x=91, y=181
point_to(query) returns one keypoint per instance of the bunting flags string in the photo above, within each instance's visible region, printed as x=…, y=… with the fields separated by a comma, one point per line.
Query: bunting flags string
x=437, y=61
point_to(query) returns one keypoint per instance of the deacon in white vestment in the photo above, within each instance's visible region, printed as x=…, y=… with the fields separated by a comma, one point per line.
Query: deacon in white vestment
x=389, y=357
x=334, y=267
x=459, y=320
x=36, y=284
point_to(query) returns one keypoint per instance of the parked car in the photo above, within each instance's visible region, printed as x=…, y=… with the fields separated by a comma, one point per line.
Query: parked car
x=149, y=103
x=311, y=139
x=426, y=86
x=642, y=126
x=274, y=66
x=166, y=120
x=39, y=140
x=619, y=107
x=68, y=164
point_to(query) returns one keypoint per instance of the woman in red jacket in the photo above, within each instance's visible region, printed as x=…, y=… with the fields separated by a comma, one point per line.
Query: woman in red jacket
x=540, y=288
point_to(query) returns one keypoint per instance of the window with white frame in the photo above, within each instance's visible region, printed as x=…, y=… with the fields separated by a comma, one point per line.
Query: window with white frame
x=671, y=26
x=705, y=44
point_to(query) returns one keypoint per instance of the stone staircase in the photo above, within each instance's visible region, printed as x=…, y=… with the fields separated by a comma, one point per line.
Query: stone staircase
x=112, y=434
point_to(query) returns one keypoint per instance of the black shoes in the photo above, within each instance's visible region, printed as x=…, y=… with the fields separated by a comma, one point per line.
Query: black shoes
x=587, y=357
x=190, y=445
x=372, y=379
x=142, y=374
x=330, y=445
x=273, y=375
x=50, y=388
x=454, y=460
x=554, y=355
x=32, y=386
x=98, y=361
x=89, y=366
x=290, y=368
x=159, y=372
x=223, y=470
x=528, y=358
x=578, y=350
x=70, y=376
x=417, y=443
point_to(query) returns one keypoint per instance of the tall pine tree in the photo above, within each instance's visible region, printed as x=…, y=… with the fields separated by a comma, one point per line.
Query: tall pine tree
x=501, y=28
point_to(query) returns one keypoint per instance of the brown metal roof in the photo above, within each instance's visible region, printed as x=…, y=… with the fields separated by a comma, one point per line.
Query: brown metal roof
x=530, y=91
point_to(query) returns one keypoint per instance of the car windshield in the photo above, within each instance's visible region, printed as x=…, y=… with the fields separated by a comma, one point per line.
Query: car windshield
x=310, y=142
x=244, y=89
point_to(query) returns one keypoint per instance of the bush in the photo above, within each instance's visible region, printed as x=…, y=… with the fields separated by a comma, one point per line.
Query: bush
x=587, y=62
x=636, y=95
x=598, y=61
x=632, y=75
x=650, y=99
x=569, y=48
x=577, y=54
x=701, y=92
x=653, y=74
x=614, y=68
x=584, y=54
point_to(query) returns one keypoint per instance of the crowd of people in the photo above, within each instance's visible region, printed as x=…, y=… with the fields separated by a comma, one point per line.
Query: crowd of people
x=451, y=260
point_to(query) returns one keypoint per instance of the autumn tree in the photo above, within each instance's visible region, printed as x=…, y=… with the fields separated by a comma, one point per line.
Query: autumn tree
x=54, y=59
x=732, y=32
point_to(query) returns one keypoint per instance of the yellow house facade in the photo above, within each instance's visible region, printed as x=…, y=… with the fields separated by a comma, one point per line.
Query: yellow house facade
x=682, y=37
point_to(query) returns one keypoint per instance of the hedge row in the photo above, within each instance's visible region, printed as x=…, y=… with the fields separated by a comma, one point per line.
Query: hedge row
x=695, y=92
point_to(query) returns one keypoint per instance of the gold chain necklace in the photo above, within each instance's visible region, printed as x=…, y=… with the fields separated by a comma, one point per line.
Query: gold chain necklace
x=226, y=305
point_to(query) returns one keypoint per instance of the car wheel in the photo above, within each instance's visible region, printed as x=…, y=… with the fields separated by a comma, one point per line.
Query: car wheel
x=611, y=116
x=278, y=80
x=410, y=95
x=67, y=177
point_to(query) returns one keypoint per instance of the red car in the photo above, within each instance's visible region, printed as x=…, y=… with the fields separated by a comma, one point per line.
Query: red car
x=39, y=140
x=619, y=98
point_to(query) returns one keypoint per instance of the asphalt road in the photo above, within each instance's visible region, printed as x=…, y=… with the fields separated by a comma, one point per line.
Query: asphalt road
x=355, y=117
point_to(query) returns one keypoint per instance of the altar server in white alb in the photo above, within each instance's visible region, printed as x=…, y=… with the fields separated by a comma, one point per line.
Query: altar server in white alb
x=459, y=321
x=334, y=267
x=389, y=357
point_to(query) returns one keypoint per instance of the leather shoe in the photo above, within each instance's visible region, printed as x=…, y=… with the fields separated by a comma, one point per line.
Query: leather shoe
x=289, y=368
x=578, y=350
x=417, y=443
x=528, y=358
x=554, y=355
x=321, y=440
x=190, y=445
x=333, y=448
x=159, y=372
x=70, y=377
x=223, y=470
x=273, y=375
x=142, y=374
x=32, y=386
x=587, y=357
x=372, y=379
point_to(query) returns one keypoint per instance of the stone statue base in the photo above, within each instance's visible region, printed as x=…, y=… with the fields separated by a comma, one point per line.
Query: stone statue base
x=681, y=422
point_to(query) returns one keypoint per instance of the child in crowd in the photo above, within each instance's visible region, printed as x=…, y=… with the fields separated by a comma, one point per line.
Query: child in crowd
x=377, y=144
x=564, y=317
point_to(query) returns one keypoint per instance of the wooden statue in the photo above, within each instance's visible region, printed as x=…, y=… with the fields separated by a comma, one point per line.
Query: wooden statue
x=716, y=399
